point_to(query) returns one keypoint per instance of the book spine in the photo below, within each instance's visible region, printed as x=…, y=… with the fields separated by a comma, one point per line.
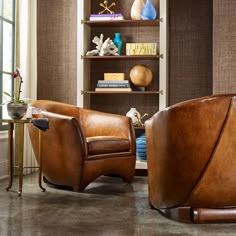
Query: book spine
x=112, y=85
x=113, y=89
x=105, y=18
x=113, y=81
x=106, y=15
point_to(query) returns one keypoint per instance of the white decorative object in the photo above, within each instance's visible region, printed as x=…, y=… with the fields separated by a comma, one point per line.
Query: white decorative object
x=107, y=48
x=136, y=117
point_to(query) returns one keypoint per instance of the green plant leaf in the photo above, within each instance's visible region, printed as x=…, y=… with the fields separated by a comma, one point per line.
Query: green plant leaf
x=8, y=94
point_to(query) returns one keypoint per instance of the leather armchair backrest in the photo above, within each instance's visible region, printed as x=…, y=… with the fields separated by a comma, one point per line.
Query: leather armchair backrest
x=95, y=123
x=181, y=140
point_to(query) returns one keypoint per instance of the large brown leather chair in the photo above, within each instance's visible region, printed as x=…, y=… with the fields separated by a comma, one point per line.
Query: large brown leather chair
x=191, y=158
x=81, y=145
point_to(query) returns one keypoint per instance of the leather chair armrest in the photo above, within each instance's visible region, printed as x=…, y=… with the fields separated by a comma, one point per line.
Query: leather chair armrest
x=64, y=127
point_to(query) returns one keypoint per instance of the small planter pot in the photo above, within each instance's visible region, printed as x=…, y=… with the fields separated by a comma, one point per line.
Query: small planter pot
x=16, y=110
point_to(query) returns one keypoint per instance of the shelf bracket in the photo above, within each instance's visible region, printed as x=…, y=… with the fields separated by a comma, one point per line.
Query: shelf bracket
x=82, y=21
x=161, y=19
x=161, y=56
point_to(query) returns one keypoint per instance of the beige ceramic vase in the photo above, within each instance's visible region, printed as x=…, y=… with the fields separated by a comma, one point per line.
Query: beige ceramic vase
x=136, y=9
x=134, y=115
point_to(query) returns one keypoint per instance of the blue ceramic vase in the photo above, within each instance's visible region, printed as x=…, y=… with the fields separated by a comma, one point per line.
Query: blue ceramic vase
x=148, y=12
x=118, y=42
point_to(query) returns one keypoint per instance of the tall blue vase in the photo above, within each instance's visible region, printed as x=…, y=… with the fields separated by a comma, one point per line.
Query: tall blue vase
x=118, y=42
x=148, y=12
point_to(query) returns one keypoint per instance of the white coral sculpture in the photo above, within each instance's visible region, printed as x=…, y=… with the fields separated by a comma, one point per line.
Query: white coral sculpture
x=106, y=48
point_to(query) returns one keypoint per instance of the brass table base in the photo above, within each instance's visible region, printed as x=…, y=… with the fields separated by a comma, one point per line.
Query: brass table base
x=19, y=148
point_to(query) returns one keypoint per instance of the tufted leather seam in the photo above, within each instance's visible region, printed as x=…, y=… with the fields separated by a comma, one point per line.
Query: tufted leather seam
x=211, y=156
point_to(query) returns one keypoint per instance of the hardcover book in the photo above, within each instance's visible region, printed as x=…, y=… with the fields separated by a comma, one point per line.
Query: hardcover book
x=113, y=89
x=114, y=76
x=112, y=85
x=113, y=81
x=101, y=17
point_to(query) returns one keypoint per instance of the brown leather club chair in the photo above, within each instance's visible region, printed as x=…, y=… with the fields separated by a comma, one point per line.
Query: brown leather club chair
x=191, y=158
x=81, y=145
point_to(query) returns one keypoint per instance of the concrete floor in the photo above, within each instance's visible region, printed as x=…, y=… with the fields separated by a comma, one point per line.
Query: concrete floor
x=108, y=207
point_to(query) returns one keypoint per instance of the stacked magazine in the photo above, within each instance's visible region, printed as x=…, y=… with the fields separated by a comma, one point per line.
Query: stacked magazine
x=113, y=85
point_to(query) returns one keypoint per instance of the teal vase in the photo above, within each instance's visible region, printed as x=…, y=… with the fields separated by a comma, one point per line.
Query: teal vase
x=118, y=42
x=148, y=12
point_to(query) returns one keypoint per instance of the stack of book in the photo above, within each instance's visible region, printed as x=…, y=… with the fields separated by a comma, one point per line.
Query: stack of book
x=102, y=17
x=113, y=85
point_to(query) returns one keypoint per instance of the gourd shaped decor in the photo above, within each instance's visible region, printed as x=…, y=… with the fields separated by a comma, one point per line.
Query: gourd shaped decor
x=136, y=9
x=148, y=12
x=134, y=115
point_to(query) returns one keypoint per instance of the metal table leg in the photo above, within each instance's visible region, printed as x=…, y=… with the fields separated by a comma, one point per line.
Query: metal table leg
x=10, y=154
x=40, y=161
x=20, y=145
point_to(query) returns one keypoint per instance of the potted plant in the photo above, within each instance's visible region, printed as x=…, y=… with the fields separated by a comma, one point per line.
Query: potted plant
x=16, y=107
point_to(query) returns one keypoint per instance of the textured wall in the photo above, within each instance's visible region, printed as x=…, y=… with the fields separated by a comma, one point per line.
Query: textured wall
x=190, y=49
x=57, y=23
x=224, y=32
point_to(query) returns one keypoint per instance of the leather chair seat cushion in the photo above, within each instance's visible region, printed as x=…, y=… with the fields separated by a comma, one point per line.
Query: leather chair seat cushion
x=107, y=144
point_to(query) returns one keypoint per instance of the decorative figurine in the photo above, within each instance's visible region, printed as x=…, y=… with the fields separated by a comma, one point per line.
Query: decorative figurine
x=106, y=48
x=106, y=7
x=140, y=123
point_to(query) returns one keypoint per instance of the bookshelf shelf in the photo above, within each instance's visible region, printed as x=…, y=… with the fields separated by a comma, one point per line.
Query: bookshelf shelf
x=121, y=92
x=122, y=57
x=123, y=23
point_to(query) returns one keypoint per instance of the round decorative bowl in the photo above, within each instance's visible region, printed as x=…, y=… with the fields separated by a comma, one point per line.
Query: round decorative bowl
x=141, y=75
x=16, y=110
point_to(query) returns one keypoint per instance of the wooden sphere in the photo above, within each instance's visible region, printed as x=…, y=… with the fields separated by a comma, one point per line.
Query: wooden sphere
x=141, y=75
